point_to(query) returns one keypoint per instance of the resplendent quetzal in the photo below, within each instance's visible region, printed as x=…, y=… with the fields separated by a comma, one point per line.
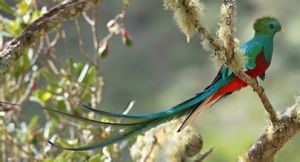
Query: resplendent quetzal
x=259, y=52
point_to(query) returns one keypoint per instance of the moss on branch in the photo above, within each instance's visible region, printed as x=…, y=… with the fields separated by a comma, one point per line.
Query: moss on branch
x=15, y=48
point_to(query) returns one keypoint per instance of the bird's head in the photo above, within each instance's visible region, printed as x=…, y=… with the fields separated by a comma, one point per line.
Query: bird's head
x=267, y=26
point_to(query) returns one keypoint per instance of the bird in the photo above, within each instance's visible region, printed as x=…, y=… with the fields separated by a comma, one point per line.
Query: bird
x=259, y=52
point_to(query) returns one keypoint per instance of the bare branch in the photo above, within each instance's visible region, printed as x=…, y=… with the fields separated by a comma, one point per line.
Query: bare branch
x=203, y=155
x=275, y=137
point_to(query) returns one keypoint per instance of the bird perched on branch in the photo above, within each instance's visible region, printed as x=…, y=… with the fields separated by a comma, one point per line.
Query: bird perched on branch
x=259, y=52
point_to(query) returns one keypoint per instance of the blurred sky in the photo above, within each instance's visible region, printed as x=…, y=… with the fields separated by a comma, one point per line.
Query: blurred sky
x=161, y=69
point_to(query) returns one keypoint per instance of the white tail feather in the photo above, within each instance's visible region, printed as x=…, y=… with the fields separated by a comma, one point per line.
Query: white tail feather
x=193, y=114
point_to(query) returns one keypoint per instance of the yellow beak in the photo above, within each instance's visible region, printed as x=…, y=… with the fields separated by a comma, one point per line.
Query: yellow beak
x=282, y=30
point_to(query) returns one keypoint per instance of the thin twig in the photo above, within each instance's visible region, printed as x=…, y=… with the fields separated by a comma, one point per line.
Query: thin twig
x=95, y=37
x=88, y=19
x=83, y=50
x=51, y=46
x=21, y=147
x=55, y=40
x=66, y=42
x=203, y=155
x=29, y=87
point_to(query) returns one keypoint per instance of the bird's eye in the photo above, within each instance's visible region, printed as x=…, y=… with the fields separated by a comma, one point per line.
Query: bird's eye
x=271, y=26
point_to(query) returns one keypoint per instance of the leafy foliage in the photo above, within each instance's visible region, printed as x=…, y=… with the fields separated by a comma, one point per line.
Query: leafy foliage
x=47, y=80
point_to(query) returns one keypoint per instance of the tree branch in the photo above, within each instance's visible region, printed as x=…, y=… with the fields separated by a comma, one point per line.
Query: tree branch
x=229, y=53
x=226, y=53
x=40, y=27
x=275, y=137
x=162, y=143
x=261, y=93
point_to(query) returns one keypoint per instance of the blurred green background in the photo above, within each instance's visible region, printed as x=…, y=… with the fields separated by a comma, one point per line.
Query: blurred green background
x=161, y=69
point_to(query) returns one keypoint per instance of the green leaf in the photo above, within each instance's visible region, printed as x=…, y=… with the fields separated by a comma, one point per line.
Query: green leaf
x=61, y=105
x=77, y=68
x=22, y=64
x=6, y=7
x=103, y=53
x=40, y=96
x=33, y=123
x=13, y=27
x=127, y=42
x=91, y=76
x=49, y=76
x=30, y=137
x=35, y=15
x=95, y=158
x=61, y=157
x=48, y=159
x=23, y=8
x=45, y=96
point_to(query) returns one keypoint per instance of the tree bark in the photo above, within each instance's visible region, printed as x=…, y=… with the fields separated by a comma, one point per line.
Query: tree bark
x=275, y=137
